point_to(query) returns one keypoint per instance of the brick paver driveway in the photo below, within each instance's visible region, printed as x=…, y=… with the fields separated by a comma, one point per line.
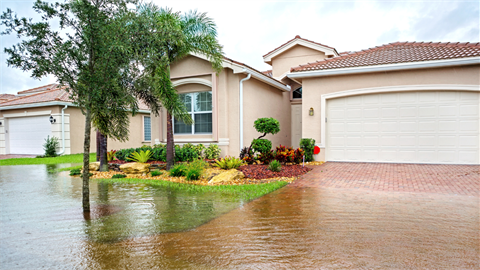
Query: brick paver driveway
x=16, y=156
x=442, y=179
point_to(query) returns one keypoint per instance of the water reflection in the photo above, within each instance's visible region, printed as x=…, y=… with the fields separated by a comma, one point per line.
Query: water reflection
x=143, y=227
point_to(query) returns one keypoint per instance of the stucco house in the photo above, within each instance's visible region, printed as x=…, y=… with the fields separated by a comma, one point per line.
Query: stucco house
x=403, y=102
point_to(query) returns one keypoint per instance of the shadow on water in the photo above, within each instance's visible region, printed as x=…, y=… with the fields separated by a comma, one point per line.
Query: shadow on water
x=137, y=226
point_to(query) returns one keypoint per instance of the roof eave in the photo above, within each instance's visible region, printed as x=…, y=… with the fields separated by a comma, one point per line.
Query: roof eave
x=328, y=51
x=34, y=105
x=388, y=67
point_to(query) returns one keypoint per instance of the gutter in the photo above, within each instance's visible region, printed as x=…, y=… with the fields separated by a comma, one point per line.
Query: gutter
x=388, y=67
x=241, y=107
x=63, y=131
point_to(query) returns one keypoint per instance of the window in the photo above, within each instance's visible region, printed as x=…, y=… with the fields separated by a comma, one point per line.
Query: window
x=297, y=93
x=199, y=105
x=147, y=129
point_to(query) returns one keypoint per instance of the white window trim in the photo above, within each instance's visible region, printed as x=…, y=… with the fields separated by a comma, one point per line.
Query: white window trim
x=192, y=114
x=143, y=128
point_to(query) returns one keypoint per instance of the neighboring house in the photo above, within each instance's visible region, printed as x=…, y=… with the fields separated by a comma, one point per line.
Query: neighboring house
x=400, y=102
x=30, y=116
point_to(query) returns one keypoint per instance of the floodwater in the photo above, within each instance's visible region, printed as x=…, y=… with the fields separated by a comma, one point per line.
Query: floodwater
x=144, y=227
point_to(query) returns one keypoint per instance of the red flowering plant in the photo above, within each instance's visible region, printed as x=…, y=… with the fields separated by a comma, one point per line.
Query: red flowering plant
x=266, y=157
x=299, y=153
x=111, y=155
x=284, y=154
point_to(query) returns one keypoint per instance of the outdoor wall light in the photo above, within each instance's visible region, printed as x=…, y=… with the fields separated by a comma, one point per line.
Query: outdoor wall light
x=310, y=112
x=52, y=120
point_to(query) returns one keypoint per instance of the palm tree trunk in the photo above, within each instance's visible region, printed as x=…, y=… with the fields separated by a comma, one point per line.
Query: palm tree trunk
x=170, y=143
x=86, y=162
x=103, y=153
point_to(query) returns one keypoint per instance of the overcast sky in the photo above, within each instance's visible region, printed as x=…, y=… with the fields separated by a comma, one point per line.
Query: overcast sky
x=249, y=29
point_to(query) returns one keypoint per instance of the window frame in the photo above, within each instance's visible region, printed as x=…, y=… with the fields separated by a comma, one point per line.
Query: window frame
x=143, y=128
x=192, y=113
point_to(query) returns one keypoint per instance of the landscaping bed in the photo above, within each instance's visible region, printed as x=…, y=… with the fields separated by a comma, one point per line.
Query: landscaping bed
x=262, y=171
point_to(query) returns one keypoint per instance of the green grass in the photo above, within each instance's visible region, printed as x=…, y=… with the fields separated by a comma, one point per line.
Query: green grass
x=245, y=192
x=67, y=168
x=76, y=158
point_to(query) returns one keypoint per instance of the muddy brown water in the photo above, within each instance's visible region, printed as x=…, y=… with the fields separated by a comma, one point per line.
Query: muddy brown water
x=141, y=227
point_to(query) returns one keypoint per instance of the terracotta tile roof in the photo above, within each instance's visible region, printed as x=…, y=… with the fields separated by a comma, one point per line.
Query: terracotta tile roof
x=39, y=89
x=269, y=73
x=53, y=94
x=393, y=53
x=297, y=37
x=5, y=97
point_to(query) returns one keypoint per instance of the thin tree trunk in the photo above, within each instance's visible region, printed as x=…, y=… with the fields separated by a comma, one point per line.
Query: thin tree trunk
x=98, y=145
x=103, y=153
x=170, y=143
x=86, y=162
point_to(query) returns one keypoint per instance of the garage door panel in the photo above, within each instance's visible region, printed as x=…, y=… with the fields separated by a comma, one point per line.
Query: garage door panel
x=412, y=127
x=26, y=135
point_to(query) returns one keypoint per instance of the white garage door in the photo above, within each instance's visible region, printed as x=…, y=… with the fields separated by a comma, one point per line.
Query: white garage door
x=26, y=135
x=405, y=127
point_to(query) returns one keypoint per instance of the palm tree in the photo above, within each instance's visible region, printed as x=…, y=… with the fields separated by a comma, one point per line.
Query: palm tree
x=164, y=37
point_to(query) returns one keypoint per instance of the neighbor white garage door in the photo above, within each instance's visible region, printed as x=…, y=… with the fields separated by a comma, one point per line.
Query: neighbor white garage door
x=26, y=135
x=405, y=127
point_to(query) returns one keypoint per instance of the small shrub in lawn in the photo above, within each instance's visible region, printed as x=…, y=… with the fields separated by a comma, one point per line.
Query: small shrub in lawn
x=155, y=173
x=75, y=172
x=275, y=166
x=228, y=163
x=50, y=146
x=178, y=170
x=195, y=170
x=118, y=176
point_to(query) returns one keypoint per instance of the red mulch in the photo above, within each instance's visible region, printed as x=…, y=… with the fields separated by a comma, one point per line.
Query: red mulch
x=123, y=162
x=262, y=171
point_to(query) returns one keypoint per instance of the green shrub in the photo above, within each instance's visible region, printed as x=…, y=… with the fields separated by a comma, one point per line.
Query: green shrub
x=275, y=166
x=155, y=173
x=141, y=156
x=267, y=125
x=123, y=154
x=308, y=146
x=178, y=170
x=212, y=151
x=261, y=145
x=159, y=154
x=118, y=176
x=160, y=145
x=75, y=172
x=200, y=148
x=195, y=170
x=183, y=154
x=228, y=163
x=50, y=146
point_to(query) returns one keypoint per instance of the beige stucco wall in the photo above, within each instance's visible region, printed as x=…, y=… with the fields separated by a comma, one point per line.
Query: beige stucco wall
x=77, y=127
x=260, y=100
x=313, y=88
x=297, y=55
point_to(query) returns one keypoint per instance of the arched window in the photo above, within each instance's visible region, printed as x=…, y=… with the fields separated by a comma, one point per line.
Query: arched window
x=297, y=94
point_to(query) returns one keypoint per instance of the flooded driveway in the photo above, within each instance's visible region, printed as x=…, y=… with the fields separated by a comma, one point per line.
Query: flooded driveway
x=322, y=221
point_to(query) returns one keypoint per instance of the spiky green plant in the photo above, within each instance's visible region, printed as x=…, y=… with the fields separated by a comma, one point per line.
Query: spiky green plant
x=141, y=156
x=228, y=163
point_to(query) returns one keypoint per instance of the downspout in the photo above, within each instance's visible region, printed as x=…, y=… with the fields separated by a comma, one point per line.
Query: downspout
x=241, y=109
x=63, y=131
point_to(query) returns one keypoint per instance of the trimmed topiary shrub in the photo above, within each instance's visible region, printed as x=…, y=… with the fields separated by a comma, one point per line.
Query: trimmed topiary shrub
x=261, y=145
x=308, y=146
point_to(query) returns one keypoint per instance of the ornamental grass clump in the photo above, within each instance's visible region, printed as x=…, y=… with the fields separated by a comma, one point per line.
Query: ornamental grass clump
x=178, y=170
x=275, y=166
x=155, y=173
x=75, y=172
x=228, y=163
x=195, y=170
x=141, y=156
x=118, y=176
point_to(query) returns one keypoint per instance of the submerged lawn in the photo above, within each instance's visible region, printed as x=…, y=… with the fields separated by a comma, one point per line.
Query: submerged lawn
x=76, y=158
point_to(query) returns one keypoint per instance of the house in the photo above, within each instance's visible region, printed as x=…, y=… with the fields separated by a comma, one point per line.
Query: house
x=26, y=119
x=405, y=102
